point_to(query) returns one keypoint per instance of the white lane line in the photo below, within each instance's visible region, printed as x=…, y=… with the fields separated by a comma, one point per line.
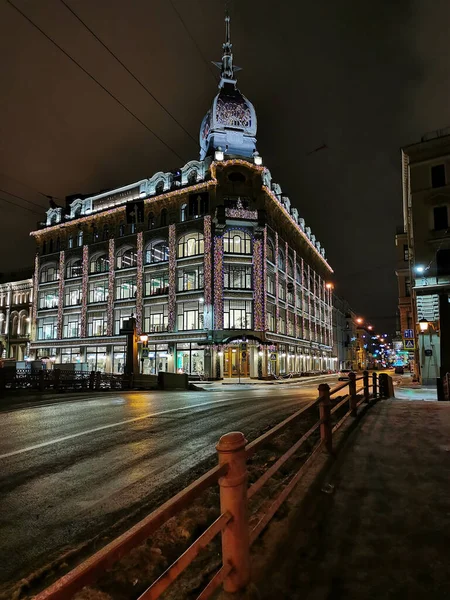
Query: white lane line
x=102, y=427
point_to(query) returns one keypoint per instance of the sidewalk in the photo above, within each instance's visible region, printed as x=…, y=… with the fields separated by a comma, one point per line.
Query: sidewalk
x=407, y=389
x=247, y=381
x=384, y=532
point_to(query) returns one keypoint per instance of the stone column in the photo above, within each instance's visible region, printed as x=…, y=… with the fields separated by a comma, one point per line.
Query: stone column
x=111, y=278
x=62, y=267
x=172, y=276
x=84, y=290
x=218, y=282
x=139, y=277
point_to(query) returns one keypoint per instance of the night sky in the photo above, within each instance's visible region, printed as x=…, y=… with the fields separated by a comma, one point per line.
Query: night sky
x=361, y=78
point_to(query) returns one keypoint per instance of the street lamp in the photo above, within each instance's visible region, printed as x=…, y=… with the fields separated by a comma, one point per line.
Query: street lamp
x=423, y=325
x=359, y=320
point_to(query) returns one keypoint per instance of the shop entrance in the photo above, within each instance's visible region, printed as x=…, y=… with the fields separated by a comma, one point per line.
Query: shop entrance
x=235, y=362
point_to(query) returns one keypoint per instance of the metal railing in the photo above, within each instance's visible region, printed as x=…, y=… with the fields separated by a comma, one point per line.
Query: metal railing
x=60, y=380
x=231, y=474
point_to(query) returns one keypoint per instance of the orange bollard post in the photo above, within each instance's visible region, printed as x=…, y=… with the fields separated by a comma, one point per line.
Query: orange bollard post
x=366, y=386
x=326, y=435
x=233, y=499
x=352, y=393
x=374, y=385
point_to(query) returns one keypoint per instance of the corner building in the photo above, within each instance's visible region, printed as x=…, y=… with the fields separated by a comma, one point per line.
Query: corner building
x=213, y=261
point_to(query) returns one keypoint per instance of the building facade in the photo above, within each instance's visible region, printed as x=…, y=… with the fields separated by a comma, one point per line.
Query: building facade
x=426, y=205
x=16, y=299
x=219, y=270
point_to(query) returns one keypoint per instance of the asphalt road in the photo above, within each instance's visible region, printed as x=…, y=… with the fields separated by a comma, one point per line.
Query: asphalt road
x=70, y=470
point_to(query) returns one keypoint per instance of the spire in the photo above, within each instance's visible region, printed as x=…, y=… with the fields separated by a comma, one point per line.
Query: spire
x=227, y=70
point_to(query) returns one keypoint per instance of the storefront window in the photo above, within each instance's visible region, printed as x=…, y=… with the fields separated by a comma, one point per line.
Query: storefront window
x=190, y=278
x=48, y=299
x=118, y=359
x=189, y=316
x=96, y=358
x=72, y=296
x=96, y=324
x=121, y=315
x=190, y=359
x=125, y=288
x=70, y=355
x=156, y=283
x=158, y=358
x=236, y=277
x=47, y=328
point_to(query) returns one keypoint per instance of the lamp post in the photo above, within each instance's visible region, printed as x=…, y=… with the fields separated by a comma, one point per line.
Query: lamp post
x=144, y=350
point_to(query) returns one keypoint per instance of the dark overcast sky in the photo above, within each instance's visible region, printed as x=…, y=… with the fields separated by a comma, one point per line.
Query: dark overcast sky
x=363, y=78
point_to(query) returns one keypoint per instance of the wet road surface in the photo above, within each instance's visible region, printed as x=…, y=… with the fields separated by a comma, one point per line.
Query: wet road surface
x=69, y=470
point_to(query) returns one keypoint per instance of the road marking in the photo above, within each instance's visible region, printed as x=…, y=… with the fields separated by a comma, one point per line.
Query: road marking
x=110, y=426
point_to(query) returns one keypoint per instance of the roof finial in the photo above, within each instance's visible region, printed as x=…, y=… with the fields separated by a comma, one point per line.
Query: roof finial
x=227, y=70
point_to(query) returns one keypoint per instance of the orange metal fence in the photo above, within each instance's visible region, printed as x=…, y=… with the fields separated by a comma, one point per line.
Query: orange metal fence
x=232, y=476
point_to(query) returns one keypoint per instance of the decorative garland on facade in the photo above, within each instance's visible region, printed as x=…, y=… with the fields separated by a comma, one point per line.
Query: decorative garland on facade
x=218, y=282
x=303, y=297
x=296, y=332
x=84, y=290
x=139, y=277
x=172, y=277
x=111, y=278
x=277, y=300
x=207, y=272
x=258, y=284
x=241, y=213
x=59, y=322
x=35, y=297
x=286, y=281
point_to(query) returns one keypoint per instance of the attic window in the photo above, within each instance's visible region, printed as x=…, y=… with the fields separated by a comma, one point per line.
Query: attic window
x=235, y=177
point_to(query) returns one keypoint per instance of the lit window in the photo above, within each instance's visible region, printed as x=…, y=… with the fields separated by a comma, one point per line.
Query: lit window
x=237, y=242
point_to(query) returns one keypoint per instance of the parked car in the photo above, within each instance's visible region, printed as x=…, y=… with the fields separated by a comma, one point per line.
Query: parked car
x=344, y=374
x=399, y=370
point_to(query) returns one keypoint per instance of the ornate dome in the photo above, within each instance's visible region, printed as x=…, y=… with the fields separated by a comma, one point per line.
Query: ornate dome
x=231, y=121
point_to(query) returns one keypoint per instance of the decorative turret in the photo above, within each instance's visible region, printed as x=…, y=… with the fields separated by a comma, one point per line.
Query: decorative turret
x=230, y=123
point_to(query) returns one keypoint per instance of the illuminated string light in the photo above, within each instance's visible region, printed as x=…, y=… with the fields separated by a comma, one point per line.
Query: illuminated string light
x=84, y=289
x=258, y=284
x=59, y=323
x=264, y=277
x=295, y=297
x=172, y=277
x=207, y=270
x=277, y=301
x=241, y=213
x=35, y=296
x=218, y=282
x=139, y=276
x=111, y=278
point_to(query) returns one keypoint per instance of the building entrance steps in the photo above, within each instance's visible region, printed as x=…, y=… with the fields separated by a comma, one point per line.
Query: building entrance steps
x=380, y=526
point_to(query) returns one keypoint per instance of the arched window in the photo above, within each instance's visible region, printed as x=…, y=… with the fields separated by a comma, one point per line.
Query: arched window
x=53, y=219
x=281, y=259
x=74, y=269
x=70, y=241
x=192, y=177
x=80, y=237
x=121, y=229
x=237, y=242
x=156, y=252
x=298, y=275
x=151, y=221
x=95, y=234
x=190, y=244
x=159, y=187
x=126, y=258
x=77, y=211
x=23, y=323
x=290, y=267
x=49, y=273
x=99, y=264
x=183, y=212
x=105, y=234
x=270, y=251
x=14, y=324
x=50, y=246
x=164, y=217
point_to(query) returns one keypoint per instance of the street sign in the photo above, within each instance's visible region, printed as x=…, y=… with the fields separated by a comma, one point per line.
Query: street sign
x=273, y=356
x=244, y=355
x=409, y=344
x=144, y=353
x=408, y=334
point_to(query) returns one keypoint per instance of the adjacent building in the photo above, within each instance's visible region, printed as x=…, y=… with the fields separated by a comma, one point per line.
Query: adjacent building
x=16, y=296
x=425, y=245
x=218, y=268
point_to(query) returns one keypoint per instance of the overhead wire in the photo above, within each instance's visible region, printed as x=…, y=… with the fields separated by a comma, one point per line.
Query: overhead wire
x=29, y=186
x=21, y=207
x=143, y=86
x=20, y=198
x=208, y=63
x=50, y=39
